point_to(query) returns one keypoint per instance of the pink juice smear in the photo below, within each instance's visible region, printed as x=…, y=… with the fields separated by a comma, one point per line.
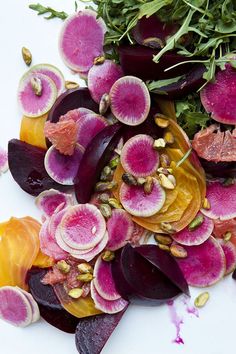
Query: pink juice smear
x=177, y=322
x=192, y=310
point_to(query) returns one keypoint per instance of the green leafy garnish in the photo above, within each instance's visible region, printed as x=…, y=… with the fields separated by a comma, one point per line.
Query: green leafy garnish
x=48, y=10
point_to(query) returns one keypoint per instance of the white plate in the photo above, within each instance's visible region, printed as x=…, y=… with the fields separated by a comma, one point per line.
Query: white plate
x=142, y=329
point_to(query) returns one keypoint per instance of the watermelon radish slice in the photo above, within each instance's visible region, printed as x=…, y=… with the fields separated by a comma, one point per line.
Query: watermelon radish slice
x=103, y=280
x=15, y=307
x=33, y=305
x=120, y=229
x=63, y=168
x=31, y=104
x=81, y=40
x=197, y=236
x=205, y=264
x=102, y=77
x=222, y=201
x=138, y=156
x=52, y=72
x=48, y=201
x=138, y=203
x=90, y=125
x=107, y=306
x=224, y=86
x=130, y=100
x=83, y=226
x=3, y=161
x=230, y=255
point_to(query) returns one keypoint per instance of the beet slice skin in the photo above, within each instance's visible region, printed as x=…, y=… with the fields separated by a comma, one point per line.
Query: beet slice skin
x=96, y=156
x=26, y=163
x=93, y=332
x=49, y=306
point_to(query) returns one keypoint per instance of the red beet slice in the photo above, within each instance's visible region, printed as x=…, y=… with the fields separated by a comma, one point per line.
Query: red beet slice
x=205, y=263
x=230, y=255
x=26, y=163
x=93, y=332
x=96, y=156
x=89, y=126
x=224, y=86
x=48, y=201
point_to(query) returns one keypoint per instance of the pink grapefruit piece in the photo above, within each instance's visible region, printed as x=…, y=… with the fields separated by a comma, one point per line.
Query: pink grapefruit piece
x=48, y=201
x=204, y=265
x=3, y=161
x=138, y=156
x=130, y=100
x=230, y=255
x=75, y=114
x=197, y=236
x=138, y=203
x=222, y=201
x=90, y=125
x=81, y=40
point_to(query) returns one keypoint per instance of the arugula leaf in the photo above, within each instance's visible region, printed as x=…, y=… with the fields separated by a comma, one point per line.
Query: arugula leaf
x=48, y=10
x=151, y=8
x=155, y=85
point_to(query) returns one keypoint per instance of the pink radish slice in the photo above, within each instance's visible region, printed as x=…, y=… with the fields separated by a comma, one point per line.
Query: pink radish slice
x=230, y=255
x=33, y=305
x=222, y=110
x=89, y=126
x=3, y=161
x=82, y=227
x=138, y=203
x=103, y=280
x=197, y=236
x=91, y=254
x=31, y=104
x=48, y=201
x=130, y=100
x=52, y=72
x=222, y=201
x=14, y=307
x=102, y=77
x=107, y=306
x=120, y=228
x=75, y=114
x=48, y=244
x=63, y=168
x=81, y=40
x=205, y=263
x=138, y=156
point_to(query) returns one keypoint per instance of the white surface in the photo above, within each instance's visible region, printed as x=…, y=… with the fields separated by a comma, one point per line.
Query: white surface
x=143, y=329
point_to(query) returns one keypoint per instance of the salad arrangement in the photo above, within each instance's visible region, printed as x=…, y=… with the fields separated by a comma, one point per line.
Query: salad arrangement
x=134, y=173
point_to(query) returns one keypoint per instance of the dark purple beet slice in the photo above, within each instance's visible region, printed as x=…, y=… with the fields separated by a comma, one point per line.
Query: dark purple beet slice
x=219, y=169
x=49, y=306
x=96, y=156
x=26, y=163
x=92, y=333
x=137, y=61
x=234, y=275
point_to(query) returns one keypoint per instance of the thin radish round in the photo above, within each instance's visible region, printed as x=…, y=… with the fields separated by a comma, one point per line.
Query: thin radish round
x=33, y=305
x=3, y=161
x=15, y=307
x=230, y=255
x=83, y=226
x=33, y=105
x=102, y=77
x=48, y=201
x=138, y=203
x=103, y=280
x=120, y=229
x=107, y=306
x=205, y=263
x=197, y=236
x=138, y=156
x=222, y=201
x=89, y=126
x=63, y=168
x=52, y=72
x=130, y=100
x=81, y=40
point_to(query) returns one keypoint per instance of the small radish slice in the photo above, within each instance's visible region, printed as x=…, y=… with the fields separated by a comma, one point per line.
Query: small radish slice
x=63, y=168
x=222, y=201
x=75, y=114
x=81, y=40
x=90, y=125
x=33, y=305
x=130, y=100
x=224, y=86
x=48, y=201
x=195, y=237
x=102, y=77
x=91, y=254
x=83, y=226
x=204, y=265
x=120, y=229
x=138, y=203
x=103, y=280
x=14, y=307
x=3, y=161
x=230, y=255
x=31, y=104
x=138, y=156
x=52, y=72
x=107, y=306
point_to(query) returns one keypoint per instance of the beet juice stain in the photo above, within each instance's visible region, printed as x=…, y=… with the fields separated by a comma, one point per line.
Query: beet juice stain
x=177, y=322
